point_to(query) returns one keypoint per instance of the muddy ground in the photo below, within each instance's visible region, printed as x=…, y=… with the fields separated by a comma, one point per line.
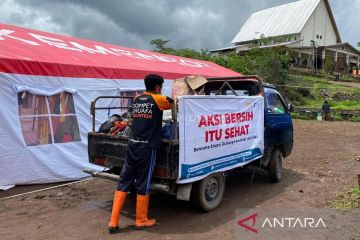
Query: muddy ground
x=323, y=163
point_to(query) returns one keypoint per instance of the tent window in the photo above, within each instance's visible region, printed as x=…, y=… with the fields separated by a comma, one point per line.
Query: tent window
x=130, y=93
x=48, y=119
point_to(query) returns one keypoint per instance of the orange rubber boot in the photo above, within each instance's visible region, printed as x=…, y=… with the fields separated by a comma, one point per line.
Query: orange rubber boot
x=119, y=199
x=142, y=205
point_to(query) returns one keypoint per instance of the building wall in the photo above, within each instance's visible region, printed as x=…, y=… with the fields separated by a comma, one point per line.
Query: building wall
x=319, y=24
x=296, y=44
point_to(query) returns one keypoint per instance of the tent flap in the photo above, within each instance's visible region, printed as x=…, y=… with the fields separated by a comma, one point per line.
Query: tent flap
x=44, y=90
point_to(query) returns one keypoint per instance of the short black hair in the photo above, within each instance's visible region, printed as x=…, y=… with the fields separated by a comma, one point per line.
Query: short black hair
x=152, y=80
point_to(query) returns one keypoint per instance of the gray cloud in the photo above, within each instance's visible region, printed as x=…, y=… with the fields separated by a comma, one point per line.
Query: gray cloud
x=196, y=24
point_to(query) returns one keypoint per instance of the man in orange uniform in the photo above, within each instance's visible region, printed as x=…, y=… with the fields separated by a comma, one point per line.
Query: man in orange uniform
x=140, y=157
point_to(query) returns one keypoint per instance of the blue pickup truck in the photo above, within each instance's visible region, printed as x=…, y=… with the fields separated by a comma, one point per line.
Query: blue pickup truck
x=109, y=151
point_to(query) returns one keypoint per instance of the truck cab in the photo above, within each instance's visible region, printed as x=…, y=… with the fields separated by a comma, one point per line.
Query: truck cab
x=278, y=132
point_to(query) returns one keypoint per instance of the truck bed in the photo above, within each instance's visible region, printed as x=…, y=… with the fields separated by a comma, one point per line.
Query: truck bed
x=109, y=151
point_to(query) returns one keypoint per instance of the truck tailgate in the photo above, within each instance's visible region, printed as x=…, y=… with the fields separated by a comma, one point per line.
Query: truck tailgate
x=109, y=151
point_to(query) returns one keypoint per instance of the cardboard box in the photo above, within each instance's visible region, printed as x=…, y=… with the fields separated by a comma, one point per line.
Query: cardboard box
x=196, y=82
x=180, y=88
x=188, y=86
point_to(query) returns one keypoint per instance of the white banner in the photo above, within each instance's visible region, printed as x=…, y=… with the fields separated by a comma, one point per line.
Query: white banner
x=218, y=133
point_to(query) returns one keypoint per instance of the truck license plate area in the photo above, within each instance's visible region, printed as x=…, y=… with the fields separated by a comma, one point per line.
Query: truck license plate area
x=110, y=149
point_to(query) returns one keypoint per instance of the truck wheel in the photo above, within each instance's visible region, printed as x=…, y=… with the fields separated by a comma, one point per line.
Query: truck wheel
x=275, y=166
x=207, y=194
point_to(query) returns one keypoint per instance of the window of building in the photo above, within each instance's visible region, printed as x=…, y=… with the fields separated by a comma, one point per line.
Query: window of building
x=48, y=119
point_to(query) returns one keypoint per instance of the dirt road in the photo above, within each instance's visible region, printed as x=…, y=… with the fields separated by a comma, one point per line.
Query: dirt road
x=322, y=164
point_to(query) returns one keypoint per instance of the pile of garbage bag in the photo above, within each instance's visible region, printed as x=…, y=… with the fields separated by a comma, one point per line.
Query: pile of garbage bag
x=117, y=125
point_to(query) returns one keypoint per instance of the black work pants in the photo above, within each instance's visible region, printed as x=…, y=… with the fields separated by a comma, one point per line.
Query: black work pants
x=138, y=168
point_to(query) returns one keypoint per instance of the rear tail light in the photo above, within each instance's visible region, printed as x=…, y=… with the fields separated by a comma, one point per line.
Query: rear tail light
x=161, y=172
x=100, y=161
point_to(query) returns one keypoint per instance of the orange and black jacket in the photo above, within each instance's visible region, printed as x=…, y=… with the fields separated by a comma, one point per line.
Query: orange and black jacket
x=147, y=118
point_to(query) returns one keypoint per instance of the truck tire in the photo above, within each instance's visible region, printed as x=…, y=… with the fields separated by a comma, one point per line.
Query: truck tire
x=207, y=194
x=275, y=166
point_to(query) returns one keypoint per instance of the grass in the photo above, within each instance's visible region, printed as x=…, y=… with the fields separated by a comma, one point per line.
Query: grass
x=347, y=200
x=355, y=90
x=346, y=105
x=316, y=87
x=343, y=78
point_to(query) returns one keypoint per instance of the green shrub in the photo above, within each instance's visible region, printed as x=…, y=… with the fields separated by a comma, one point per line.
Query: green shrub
x=336, y=117
x=355, y=119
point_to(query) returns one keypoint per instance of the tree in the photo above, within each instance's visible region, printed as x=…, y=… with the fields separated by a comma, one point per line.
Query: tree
x=159, y=45
x=328, y=67
x=272, y=64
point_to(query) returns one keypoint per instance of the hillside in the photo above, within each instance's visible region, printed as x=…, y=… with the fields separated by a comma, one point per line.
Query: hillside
x=309, y=91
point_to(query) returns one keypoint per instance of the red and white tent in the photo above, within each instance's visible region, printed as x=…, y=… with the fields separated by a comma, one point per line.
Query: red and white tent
x=47, y=82
x=25, y=51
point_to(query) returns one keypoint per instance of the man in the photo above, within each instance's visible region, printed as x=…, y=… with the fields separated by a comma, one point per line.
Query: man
x=326, y=111
x=140, y=157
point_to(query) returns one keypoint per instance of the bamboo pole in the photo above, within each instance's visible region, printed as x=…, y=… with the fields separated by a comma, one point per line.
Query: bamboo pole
x=49, y=188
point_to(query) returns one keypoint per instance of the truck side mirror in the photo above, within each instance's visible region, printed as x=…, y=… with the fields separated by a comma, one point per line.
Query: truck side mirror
x=290, y=107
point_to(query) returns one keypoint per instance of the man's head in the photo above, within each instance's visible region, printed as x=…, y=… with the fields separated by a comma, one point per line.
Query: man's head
x=153, y=83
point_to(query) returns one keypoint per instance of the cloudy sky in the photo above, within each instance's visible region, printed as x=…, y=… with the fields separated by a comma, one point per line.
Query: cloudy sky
x=197, y=24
